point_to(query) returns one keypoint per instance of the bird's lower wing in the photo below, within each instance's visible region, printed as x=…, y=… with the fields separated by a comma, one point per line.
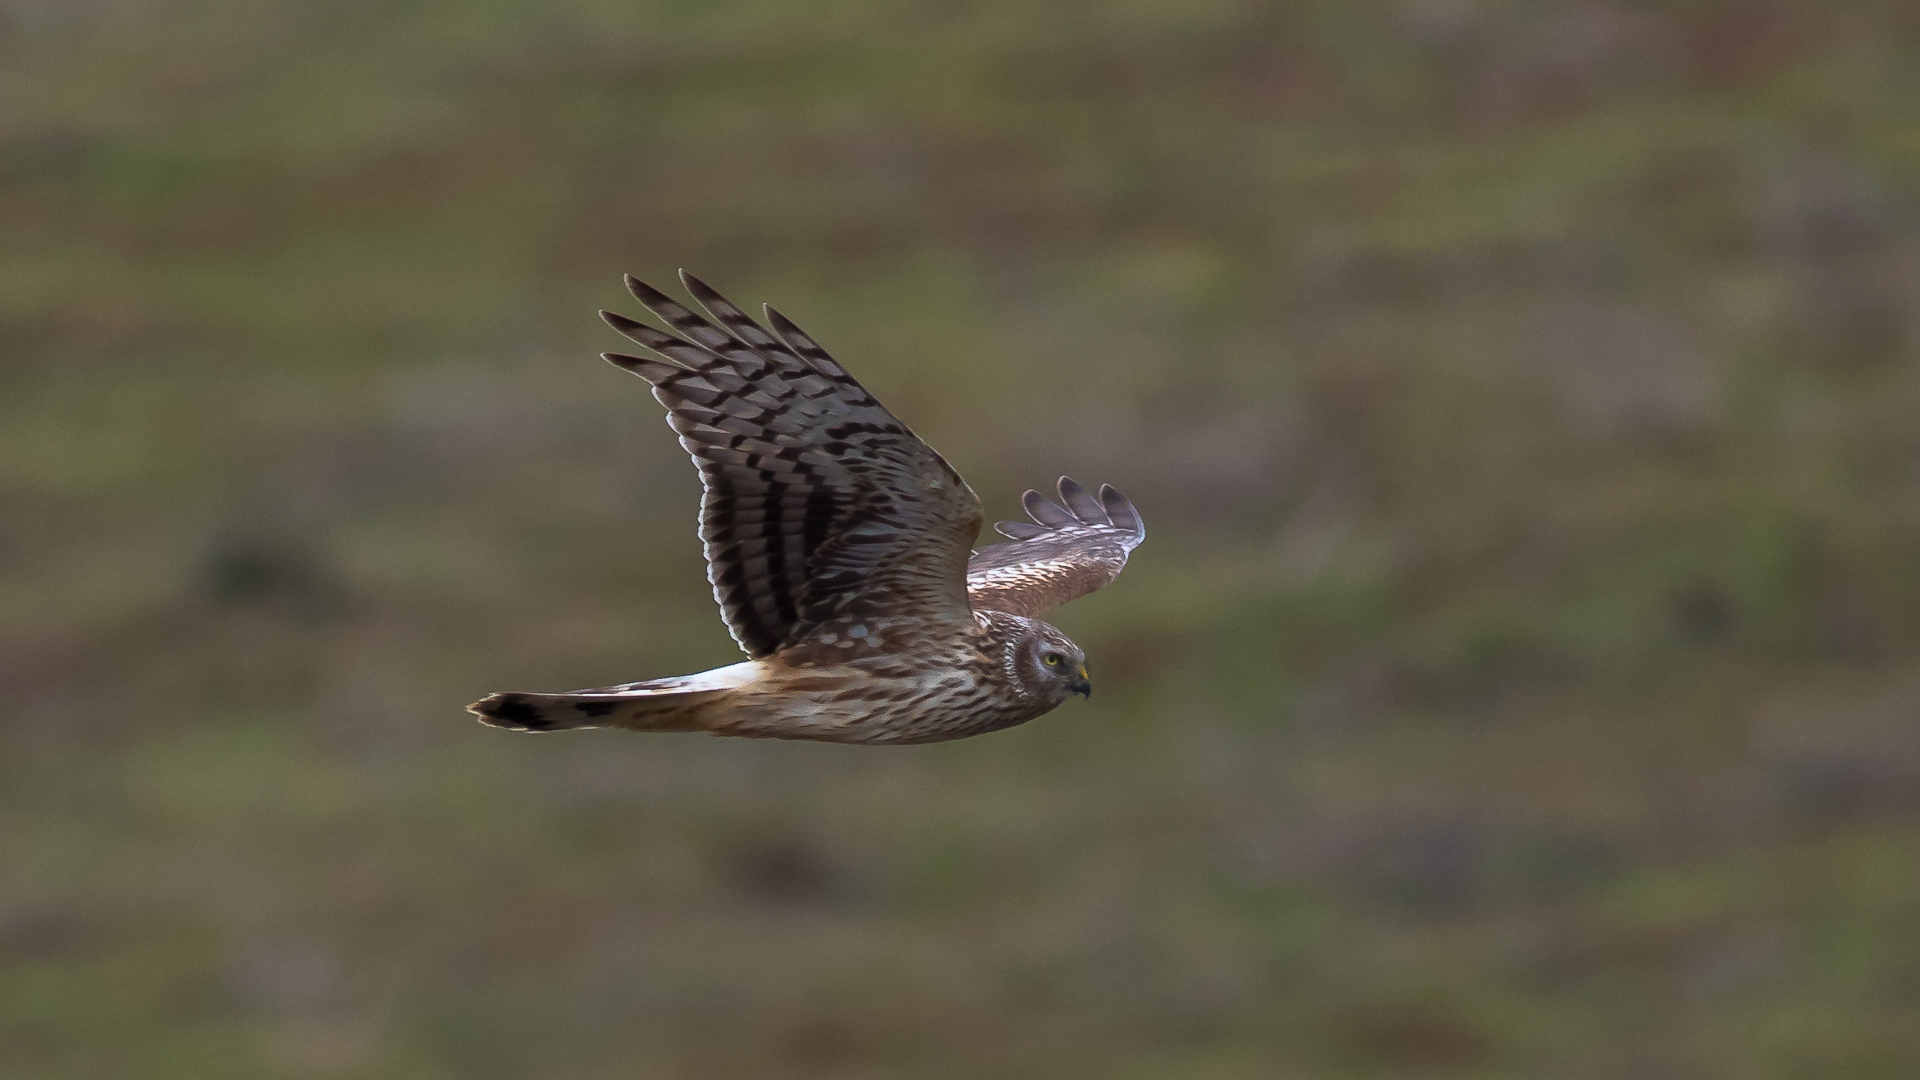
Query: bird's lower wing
x=1067, y=551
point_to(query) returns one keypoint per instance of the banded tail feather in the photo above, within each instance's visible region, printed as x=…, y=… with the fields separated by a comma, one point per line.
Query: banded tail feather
x=682, y=703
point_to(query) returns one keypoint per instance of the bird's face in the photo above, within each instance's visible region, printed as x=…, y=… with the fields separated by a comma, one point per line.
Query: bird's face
x=1054, y=666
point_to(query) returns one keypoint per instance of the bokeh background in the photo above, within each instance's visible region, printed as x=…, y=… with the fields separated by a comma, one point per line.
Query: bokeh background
x=1519, y=679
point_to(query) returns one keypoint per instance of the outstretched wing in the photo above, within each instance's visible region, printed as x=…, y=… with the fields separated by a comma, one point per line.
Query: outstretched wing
x=819, y=504
x=1064, y=554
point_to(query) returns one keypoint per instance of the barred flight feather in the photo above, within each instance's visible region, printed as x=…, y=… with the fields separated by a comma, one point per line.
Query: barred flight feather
x=806, y=508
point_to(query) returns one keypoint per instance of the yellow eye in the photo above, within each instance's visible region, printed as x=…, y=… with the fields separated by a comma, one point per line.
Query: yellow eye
x=1053, y=659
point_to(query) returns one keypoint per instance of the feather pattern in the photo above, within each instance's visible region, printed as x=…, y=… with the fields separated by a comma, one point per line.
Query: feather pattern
x=819, y=506
x=1070, y=549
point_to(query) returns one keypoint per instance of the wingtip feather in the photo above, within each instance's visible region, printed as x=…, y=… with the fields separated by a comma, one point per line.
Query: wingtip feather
x=1080, y=504
x=729, y=315
x=1121, y=511
x=802, y=344
x=627, y=326
x=1042, y=510
x=708, y=296
x=648, y=368
x=645, y=293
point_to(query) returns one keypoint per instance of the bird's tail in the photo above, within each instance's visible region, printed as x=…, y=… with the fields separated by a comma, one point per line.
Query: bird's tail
x=683, y=703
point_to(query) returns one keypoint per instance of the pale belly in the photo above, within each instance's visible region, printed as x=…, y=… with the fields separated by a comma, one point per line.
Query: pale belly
x=926, y=708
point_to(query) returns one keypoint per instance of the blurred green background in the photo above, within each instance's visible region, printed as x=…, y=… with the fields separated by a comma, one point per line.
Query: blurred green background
x=1519, y=679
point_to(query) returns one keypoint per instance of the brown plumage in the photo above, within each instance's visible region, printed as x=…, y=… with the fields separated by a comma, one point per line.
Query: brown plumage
x=838, y=545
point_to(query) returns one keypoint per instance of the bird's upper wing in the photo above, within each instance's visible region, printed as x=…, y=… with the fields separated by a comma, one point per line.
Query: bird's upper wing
x=819, y=504
x=1065, y=553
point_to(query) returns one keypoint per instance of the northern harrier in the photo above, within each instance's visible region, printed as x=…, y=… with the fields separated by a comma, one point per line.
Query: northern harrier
x=838, y=547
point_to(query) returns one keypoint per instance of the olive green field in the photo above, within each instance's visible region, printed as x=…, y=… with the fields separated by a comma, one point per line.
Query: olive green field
x=1520, y=679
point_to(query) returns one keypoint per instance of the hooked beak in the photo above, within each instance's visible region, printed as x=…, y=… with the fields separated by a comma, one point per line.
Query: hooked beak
x=1081, y=685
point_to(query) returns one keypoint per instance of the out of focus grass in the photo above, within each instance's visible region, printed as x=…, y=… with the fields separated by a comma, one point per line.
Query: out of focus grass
x=1519, y=681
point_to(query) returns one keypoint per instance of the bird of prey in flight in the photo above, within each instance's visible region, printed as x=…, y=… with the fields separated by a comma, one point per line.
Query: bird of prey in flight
x=840, y=548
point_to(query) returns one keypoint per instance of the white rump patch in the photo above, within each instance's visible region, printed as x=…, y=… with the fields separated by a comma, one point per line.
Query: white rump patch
x=731, y=677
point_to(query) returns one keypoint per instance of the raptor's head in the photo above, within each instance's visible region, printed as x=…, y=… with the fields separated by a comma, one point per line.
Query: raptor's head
x=1048, y=664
